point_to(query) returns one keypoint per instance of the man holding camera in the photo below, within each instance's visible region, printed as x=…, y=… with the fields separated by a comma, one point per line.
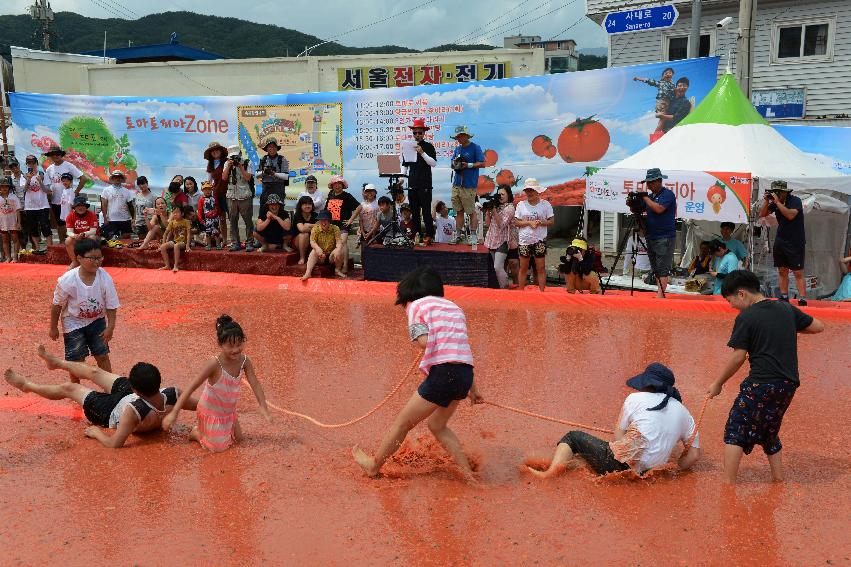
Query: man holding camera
x=273, y=173
x=467, y=158
x=419, y=181
x=238, y=173
x=791, y=238
x=661, y=207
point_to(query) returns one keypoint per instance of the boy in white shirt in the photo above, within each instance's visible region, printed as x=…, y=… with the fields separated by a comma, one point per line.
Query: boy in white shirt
x=532, y=217
x=86, y=300
x=444, y=225
x=115, y=205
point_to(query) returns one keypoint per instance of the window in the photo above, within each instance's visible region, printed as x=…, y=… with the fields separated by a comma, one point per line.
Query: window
x=676, y=47
x=803, y=40
x=558, y=64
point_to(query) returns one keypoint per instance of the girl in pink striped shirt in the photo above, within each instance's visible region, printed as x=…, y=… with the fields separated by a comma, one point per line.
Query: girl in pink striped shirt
x=439, y=327
x=218, y=426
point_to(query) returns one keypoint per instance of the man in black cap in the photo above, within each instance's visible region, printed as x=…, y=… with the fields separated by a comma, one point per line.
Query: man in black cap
x=273, y=173
x=791, y=239
x=311, y=189
x=661, y=207
x=652, y=422
x=419, y=181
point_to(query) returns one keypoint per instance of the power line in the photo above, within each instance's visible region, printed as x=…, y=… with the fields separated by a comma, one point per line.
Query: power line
x=381, y=21
x=490, y=25
x=503, y=28
x=118, y=15
x=568, y=28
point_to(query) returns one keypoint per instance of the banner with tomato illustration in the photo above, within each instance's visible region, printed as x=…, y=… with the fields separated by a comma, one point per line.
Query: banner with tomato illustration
x=548, y=127
x=701, y=195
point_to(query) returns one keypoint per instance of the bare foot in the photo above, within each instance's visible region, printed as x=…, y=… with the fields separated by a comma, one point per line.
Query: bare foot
x=15, y=380
x=366, y=462
x=49, y=359
x=175, y=269
x=301, y=262
x=305, y=277
x=542, y=474
x=165, y=268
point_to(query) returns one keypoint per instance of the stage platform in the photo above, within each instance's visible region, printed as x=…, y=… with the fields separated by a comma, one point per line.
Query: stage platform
x=272, y=263
x=457, y=264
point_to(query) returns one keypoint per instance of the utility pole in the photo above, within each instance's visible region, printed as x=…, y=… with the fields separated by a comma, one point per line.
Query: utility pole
x=744, y=55
x=42, y=13
x=694, y=38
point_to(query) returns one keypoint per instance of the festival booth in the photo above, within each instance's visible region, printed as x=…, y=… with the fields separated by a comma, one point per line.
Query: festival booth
x=719, y=160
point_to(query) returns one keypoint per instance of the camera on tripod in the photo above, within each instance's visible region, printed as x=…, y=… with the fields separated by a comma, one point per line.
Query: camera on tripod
x=635, y=202
x=459, y=163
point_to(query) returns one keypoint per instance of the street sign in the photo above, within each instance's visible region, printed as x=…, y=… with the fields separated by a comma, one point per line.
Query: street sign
x=641, y=19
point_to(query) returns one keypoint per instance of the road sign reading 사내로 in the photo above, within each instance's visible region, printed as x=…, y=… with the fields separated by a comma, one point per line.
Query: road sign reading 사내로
x=641, y=19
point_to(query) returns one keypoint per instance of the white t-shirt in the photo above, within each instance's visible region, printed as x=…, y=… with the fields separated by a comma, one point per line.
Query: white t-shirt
x=20, y=188
x=642, y=260
x=66, y=202
x=662, y=429
x=53, y=176
x=318, y=199
x=117, y=199
x=444, y=229
x=36, y=198
x=524, y=211
x=83, y=304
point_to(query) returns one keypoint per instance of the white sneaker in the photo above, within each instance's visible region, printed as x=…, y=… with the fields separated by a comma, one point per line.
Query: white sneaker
x=474, y=239
x=456, y=240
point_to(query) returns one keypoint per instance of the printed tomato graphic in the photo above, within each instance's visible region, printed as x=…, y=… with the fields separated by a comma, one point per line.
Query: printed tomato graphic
x=491, y=157
x=542, y=146
x=485, y=185
x=583, y=140
x=505, y=177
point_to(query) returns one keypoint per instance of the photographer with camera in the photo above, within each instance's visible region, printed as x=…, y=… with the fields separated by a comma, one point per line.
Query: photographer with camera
x=790, y=242
x=577, y=265
x=501, y=237
x=660, y=204
x=273, y=173
x=239, y=175
x=467, y=158
x=419, y=181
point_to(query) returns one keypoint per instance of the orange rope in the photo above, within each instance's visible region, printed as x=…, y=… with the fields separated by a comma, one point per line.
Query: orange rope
x=357, y=419
x=697, y=425
x=547, y=418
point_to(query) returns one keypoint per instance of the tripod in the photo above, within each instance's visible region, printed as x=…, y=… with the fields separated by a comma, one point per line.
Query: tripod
x=634, y=224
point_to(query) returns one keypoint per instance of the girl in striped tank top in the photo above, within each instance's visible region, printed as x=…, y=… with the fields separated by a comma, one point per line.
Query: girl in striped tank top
x=218, y=426
x=439, y=327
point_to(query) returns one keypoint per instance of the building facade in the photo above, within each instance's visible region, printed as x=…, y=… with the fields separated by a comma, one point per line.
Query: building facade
x=560, y=55
x=801, y=52
x=63, y=73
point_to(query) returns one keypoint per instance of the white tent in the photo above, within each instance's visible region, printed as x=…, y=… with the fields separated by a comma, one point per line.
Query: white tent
x=726, y=133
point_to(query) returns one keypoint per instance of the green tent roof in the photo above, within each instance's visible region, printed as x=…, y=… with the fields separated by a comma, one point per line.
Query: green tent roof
x=725, y=104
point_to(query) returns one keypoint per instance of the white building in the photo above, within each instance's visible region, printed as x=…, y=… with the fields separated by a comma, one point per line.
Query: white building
x=560, y=55
x=72, y=74
x=801, y=49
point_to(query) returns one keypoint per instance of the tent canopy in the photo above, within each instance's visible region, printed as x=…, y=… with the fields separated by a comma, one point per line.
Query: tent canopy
x=726, y=133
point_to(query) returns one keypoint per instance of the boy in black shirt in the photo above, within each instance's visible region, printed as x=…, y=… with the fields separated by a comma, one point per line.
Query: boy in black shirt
x=765, y=332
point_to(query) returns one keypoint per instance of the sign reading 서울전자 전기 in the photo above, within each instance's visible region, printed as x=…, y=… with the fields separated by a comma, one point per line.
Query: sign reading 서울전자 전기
x=641, y=19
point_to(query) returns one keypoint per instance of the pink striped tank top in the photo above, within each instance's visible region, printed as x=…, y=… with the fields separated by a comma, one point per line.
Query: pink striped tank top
x=217, y=409
x=446, y=326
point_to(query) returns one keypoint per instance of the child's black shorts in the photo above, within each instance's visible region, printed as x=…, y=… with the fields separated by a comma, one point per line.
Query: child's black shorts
x=97, y=406
x=446, y=383
x=596, y=452
x=757, y=414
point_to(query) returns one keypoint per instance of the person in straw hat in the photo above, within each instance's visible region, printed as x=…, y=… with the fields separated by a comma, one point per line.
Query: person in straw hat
x=532, y=218
x=273, y=173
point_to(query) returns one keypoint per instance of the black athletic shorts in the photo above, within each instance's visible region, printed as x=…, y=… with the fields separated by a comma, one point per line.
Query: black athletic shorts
x=446, y=383
x=57, y=213
x=596, y=452
x=99, y=405
x=788, y=256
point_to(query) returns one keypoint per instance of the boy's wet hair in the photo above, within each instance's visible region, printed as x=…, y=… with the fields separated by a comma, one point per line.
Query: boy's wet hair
x=85, y=245
x=145, y=378
x=422, y=282
x=740, y=279
x=228, y=330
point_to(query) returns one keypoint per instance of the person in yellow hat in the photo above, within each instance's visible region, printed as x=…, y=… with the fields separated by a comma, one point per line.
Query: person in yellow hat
x=577, y=265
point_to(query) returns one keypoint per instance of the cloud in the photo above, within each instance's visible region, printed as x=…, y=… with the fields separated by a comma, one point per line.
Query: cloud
x=532, y=101
x=641, y=126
